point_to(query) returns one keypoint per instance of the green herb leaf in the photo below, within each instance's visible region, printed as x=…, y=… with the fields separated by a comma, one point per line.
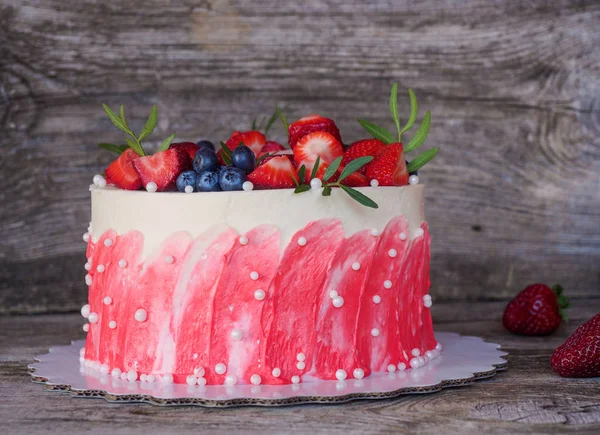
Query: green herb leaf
x=164, y=145
x=302, y=173
x=253, y=126
x=315, y=168
x=134, y=145
x=122, y=114
x=326, y=191
x=150, y=123
x=261, y=158
x=119, y=149
x=421, y=134
x=413, y=113
x=377, y=132
x=421, y=160
x=270, y=122
x=284, y=120
x=225, y=154
x=116, y=120
x=302, y=188
x=359, y=197
x=394, y=108
x=332, y=168
x=354, y=166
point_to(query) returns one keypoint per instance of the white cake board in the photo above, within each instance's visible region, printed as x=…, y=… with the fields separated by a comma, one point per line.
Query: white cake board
x=463, y=360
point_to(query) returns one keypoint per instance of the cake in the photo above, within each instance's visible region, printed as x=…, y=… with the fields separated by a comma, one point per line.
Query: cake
x=299, y=268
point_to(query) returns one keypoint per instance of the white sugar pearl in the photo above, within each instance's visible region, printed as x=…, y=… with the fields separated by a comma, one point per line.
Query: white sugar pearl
x=116, y=372
x=86, y=237
x=276, y=372
x=101, y=182
x=220, y=368
x=88, y=279
x=122, y=263
x=374, y=183
x=427, y=301
x=100, y=268
x=438, y=347
x=243, y=240
x=150, y=378
x=295, y=379
x=96, y=179
x=413, y=179
x=188, y=189
x=199, y=372
x=123, y=376
x=392, y=253
x=85, y=311
x=140, y=315
x=315, y=183
x=429, y=354
x=376, y=299
x=387, y=283
x=358, y=373
x=82, y=351
x=201, y=381
x=401, y=366
x=333, y=294
x=355, y=265
x=230, y=380
x=255, y=379
x=259, y=294
x=167, y=378
x=143, y=377
x=375, y=332
x=191, y=380
x=108, y=243
x=86, y=327
x=402, y=236
x=419, y=232
x=421, y=361
x=88, y=266
x=416, y=352
x=338, y=301
x=253, y=275
x=132, y=375
x=247, y=186
x=107, y=300
x=93, y=318
x=151, y=187
x=169, y=259
x=301, y=357
x=300, y=365
x=375, y=232
x=302, y=241
x=414, y=363
x=340, y=374
x=112, y=324
x=237, y=334
x=391, y=368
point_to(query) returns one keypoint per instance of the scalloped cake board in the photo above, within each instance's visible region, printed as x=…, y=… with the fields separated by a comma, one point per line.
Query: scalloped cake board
x=463, y=360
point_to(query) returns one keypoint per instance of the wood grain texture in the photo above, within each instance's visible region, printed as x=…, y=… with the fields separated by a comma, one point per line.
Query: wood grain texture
x=528, y=398
x=514, y=89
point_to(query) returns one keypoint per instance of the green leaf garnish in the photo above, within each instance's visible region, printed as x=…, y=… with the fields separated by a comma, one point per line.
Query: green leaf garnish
x=225, y=154
x=413, y=114
x=394, y=108
x=121, y=124
x=116, y=120
x=134, y=145
x=421, y=160
x=261, y=158
x=377, y=132
x=354, y=166
x=332, y=168
x=315, y=168
x=302, y=188
x=270, y=122
x=119, y=149
x=302, y=173
x=284, y=120
x=150, y=123
x=122, y=114
x=164, y=145
x=421, y=134
x=253, y=126
x=359, y=197
x=326, y=191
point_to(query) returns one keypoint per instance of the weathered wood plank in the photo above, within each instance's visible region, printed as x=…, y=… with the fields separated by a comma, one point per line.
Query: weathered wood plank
x=514, y=197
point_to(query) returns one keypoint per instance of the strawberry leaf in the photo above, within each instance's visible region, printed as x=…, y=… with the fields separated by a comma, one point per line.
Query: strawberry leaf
x=332, y=168
x=413, y=114
x=284, y=120
x=302, y=173
x=225, y=154
x=326, y=191
x=359, y=197
x=421, y=134
x=150, y=123
x=377, y=132
x=119, y=149
x=302, y=188
x=166, y=143
x=421, y=160
x=394, y=108
x=354, y=166
x=315, y=168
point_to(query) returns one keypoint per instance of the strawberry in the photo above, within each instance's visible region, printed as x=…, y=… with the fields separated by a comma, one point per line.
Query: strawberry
x=388, y=167
x=275, y=172
x=121, y=172
x=309, y=124
x=579, y=355
x=362, y=148
x=189, y=147
x=254, y=140
x=271, y=147
x=536, y=310
x=163, y=168
x=317, y=144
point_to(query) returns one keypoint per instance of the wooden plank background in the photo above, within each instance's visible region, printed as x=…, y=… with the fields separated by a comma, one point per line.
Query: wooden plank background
x=513, y=87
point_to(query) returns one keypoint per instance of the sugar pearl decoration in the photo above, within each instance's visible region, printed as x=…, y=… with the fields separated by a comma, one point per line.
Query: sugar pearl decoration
x=438, y=347
x=132, y=375
x=93, y=318
x=151, y=187
x=302, y=241
x=316, y=183
x=301, y=357
x=108, y=243
x=107, y=300
x=374, y=183
x=338, y=301
x=427, y=301
x=391, y=368
x=401, y=366
x=416, y=352
x=85, y=311
x=259, y=294
x=387, y=283
x=375, y=232
x=199, y=372
x=355, y=265
x=86, y=327
x=122, y=263
x=150, y=378
x=333, y=294
x=340, y=374
x=237, y=334
x=413, y=179
x=276, y=372
x=101, y=182
x=140, y=315
x=116, y=372
x=100, y=268
x=143, y=377
x=392, y=253
x=414, y=363
x=243, y=240
x=247, y=186
x=376, y=299
x=419, y=232
x=167, y=378
x=189, y=189
x=220, y=368
x=190, y=380
x=112, y=324
x=253, y=275
x=375, y=332
x=402, y=236
x=201, y=381
x=358, y=373
x=88, y=266
x=96, y=179
x=255, y=379
x=88, y=279
x=169, y=259
x=295, y=379
x=86, y=237
x=300, y=365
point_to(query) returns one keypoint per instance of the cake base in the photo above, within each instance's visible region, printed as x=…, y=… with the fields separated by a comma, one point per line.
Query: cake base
x=463, y=360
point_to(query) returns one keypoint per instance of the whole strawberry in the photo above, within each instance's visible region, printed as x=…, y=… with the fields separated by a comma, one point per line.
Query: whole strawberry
x=579, y=356
x=536, y=310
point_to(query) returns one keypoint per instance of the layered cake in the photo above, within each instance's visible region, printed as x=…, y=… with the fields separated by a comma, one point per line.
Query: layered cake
x=258, y=263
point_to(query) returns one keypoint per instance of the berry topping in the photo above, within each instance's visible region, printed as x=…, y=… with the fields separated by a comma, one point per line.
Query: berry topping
x=231, y=178
x=206, y=144
x=271, y=147
x=275, y=172
x=243, y=157
x=188, y=147
x=536, y=310
x=205, y=160
x=388, y=167
x=162, y=168
x=254, y=140
x=579, y=355
x=185, y=179
x=121, y=172
x=318, y=144
x=208, y=181
x=310, y=124
x=366, y=147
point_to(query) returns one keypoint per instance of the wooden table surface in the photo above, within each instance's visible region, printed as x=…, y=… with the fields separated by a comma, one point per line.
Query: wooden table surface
x=527, y=398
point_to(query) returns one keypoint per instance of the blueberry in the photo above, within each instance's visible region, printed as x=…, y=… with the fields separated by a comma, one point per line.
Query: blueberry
x=411, y=173
x=186, y=178
x=205, y=160
x=205, y=144
x=231, y=178
x=208, y=181
x=243, y=158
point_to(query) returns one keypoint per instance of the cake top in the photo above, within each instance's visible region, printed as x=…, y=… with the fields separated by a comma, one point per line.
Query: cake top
x=315, y=158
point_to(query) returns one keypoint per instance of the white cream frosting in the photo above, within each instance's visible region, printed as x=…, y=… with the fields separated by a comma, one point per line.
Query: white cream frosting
x=158, y=215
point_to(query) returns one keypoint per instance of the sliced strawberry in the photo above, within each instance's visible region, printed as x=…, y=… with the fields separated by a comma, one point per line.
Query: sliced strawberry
x=317, y=144
x=362, y=148
x=121, y=172
x=162, y=168
x=275, y=172
x=189, y=147
x=271, y=147
x=388, y=167
x=356, y=179
x=309, y=124
x=254, y=140
x=310, y=164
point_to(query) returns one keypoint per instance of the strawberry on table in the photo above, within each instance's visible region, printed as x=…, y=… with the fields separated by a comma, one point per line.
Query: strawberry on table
x=189, y=147
x=388, y=167
x=309, y=124
x=276, y=172
x=317, y=144
x=121, y=172
x=579, y=355
x=362, y=148
x=162, y=168
x=536, y=310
